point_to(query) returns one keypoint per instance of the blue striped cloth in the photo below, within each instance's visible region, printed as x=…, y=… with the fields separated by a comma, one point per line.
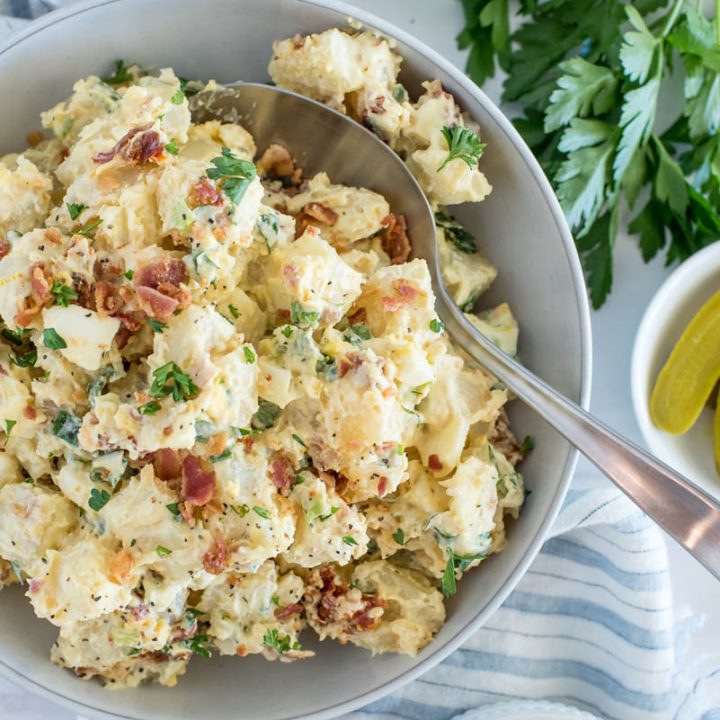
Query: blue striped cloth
x=592, y=623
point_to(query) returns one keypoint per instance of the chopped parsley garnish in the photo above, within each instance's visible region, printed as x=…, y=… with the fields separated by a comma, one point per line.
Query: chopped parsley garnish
x=456, y=562
x=98, y=499
x=171, y=380
x=100, y=474
x=528, y=445
x=262, y=512
x=172, y=148
x=281, y=643
x=266, y=416
x=133, y=542
x=275, y=600
x=300, y=316
x=357, y=334
x=249, y=354
x=197, y=644
x=52, y=340
x=456, y=233
x=327, y=367
x=241, y=510
x=498, y=386
x=299, y=440
x=149, y=408
x=287, y=331
x=15, y=338
x=399, y=536
x=162, y=551
x=121, y=75
x=9, y=425
x=224, y=455
x=98, y=383
x=178, y=97
x=399, y=93
x=87, y=230
x=326, y=516
x=174, y=508
x=62, y=294
x=74, y=209
x=27, y=359
x=129, y=274
x=349, y=540
x=66, y=426
x=463, y=144
x=437, y=325
x=234, y=311
x=233, y=174
x=156, y=325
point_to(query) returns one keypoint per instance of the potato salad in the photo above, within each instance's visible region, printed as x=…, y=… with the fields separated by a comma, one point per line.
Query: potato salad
x=228, y=411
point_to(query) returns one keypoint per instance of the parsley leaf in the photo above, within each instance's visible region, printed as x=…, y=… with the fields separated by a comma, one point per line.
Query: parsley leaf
x=249, y=354
x=266, y=416
x=66, y=426
x=233, y=174
x=171, y=380
x=121, y=75
x=156, y=325
x=399, y=536
x=9, y=425
x=456, y=233
x=172, y=147
x=198, y=645
x=74, y=209
x=281, y=643
x=162, y=551
x=262, y=512
x=98, y=499
x=463, y=144
x=301, y=317
x=149, y=408
x=52, y=340
x=351, y=541
x=62, y=294
x=178, y=97
x=357, y=334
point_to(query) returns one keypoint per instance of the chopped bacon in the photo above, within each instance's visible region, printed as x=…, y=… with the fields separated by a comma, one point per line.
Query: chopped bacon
x=288, y=610
x=166, y=464
x=405, y=293
x=198, y=483
x=120, y=566
x=504, y=440
x=434, y=463
x=28, y=411
x=215, y=560
x=205, y=193
x=156, y=304
x=135, y=145
x=4, y=248
x=248, y=442
x=39, y=283
x=86, y=294
x=167, y=270
x=277, y=162
x=282, y=475
x=363, y=620
x=181, y=294
x=139, y=611
x=349, y=362
x=382, y=485
x=26, y=314
x=122, y=337
x=321, y=212
x=377, y=105
x=108, y=300
x=394, y=239
x=132, y=321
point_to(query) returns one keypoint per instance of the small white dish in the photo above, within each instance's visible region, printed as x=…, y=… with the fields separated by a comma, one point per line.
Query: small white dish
x=526, y=710
x=667, y=315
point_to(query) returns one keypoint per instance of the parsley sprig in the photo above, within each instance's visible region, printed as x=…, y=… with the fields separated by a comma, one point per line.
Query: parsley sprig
x=588, y=78
x=233, y=174
x=171, y=380
x=463, y=144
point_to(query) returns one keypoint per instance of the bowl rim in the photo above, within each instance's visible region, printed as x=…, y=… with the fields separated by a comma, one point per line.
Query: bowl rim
x=535, y=171
x=652, y=330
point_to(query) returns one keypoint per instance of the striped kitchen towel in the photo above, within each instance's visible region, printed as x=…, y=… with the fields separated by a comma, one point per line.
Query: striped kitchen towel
x=592, y=623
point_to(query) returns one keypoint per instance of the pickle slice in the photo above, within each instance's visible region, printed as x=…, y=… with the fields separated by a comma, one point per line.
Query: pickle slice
x=690, y=373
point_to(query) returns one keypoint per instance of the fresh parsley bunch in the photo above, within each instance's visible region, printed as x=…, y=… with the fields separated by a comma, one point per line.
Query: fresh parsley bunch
x=587, y=76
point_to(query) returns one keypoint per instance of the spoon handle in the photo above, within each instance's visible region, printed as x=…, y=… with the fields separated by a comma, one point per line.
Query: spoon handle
x=683, y=510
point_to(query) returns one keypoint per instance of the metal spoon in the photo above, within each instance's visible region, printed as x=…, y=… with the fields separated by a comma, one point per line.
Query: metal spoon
x=322, y=139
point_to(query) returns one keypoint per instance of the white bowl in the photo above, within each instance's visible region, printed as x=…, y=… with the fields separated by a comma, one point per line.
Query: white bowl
x=521, y=227
x=668, y=314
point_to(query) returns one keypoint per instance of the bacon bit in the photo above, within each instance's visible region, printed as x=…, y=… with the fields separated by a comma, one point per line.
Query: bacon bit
x=86, y=294
x=139, y=611
x=34, y=585
x=181, y=294
x=434, y=463
x=39, y=283
x=394, y=239
x=288, y=610
x=120, y=566
x=156, y=304
x=362, y=620
x=64, y=152
x=282, y=475
x=198, y=483
x=321, y=212
x=241, y=650
x=351, y=361
x=135, y=145
x=166, y=464
x=132, y=321
x=4, y=248
x=34, y=138
x=53, y=235
x=277, y=162
x=205, y=193
x=358, y=316
x=405, y=293
x=122, y=337
x=289, y=272
x=248, y=441
x=26, y=314
x=504, y=440
x=28, y=411
x=107, y=298
x=383, y=483
x=215, y=560
x=377, y=105
x=167, y=270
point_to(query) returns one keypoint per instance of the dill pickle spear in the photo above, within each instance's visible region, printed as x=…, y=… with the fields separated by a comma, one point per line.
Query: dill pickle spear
x=690, y=373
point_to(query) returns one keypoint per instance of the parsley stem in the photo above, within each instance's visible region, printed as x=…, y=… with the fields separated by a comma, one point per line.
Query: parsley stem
x=672, y=17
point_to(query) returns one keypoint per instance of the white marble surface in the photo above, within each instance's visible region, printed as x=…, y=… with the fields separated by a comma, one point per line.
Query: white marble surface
x=437, y=22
